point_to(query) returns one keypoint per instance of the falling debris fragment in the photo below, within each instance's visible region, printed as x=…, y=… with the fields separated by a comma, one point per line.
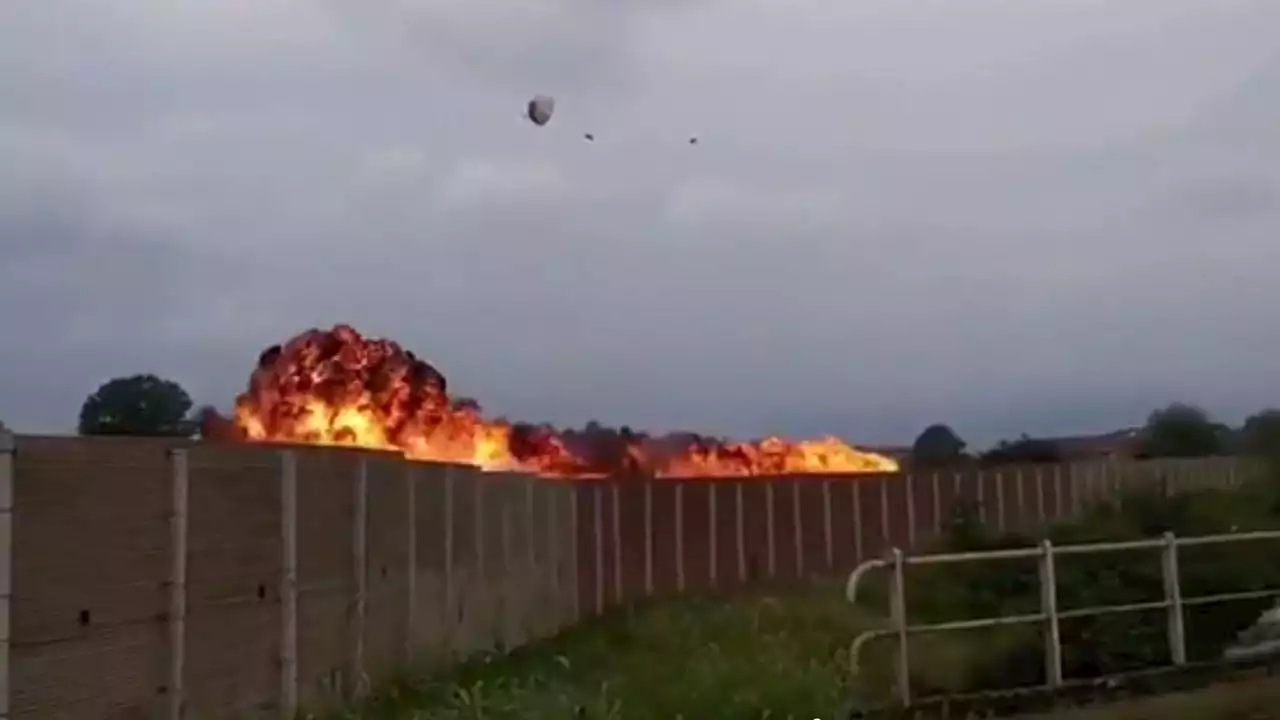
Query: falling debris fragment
x=540, y=109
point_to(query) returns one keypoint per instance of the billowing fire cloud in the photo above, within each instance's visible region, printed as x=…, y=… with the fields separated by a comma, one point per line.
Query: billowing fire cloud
x=336, y=387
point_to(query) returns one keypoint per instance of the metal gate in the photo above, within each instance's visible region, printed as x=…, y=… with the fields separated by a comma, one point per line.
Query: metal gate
x=1049, y=615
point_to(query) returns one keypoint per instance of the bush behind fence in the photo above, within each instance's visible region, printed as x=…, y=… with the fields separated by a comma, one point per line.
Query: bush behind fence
x=152, y=578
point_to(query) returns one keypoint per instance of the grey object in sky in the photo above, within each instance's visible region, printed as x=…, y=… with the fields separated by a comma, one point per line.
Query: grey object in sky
x=540, y=109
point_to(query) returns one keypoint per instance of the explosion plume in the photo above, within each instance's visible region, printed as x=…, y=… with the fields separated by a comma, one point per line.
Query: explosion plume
x=336, y=387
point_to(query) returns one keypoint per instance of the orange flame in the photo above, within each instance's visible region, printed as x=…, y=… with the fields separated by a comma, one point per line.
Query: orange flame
x=338, y=388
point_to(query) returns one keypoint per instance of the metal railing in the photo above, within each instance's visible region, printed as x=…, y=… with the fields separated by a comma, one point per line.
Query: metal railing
x=1049, y=615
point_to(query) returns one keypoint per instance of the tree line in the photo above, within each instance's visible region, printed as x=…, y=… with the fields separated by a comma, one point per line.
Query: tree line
x=1177, y=430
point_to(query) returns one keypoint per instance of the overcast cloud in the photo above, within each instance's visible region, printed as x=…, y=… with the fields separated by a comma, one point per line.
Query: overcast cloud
x=1047, y=215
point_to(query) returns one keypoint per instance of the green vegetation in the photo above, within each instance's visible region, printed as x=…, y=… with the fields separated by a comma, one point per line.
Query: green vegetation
x=780, y=656
x=137, y=405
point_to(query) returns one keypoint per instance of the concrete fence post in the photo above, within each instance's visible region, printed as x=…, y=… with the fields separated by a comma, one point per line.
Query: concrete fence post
x=7, y=449
x=450, y=619
x=713, y=541
x=797, y=530
x=1042, y=515
x=680, y=575
x=575, y=550
x=886, y=536
x=771, y=540
x=615, y=497
x=359, y=561
x=411, y=627
x=648, y=537
x=910, y=502
x=1001, y=518
x=739, y=530
x=176, y=691
x=980, y=491
x=1020, y=499
x=828, y=544
x=597, y=539
x=858, y=540
x=936, y=490
x=288, y=584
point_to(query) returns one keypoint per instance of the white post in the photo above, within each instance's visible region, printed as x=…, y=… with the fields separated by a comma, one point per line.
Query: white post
x=178, y=583
x=7, y=449
x=1049, y=609
x=898, y=613
x=288, y=584
x=359, y=559
x=1173, y=600
x=411, y=561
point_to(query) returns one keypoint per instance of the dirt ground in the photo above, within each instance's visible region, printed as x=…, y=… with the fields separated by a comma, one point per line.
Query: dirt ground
x=1248, y=700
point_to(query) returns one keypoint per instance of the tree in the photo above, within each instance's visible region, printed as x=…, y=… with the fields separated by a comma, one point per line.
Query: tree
x=937, y=445
x=1182, y=430
x=1261, y=434
x=137, y=405
x=1023, y=450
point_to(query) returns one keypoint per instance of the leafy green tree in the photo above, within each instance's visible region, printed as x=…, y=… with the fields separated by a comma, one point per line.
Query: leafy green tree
x=1182, y=430
x=137, y=405
x=937, y=445
x=1261, y=434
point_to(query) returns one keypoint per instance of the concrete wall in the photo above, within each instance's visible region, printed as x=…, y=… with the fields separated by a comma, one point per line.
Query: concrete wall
x=146, y=578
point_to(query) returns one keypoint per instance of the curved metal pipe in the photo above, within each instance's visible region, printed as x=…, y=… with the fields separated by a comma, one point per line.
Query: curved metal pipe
x=855, y=577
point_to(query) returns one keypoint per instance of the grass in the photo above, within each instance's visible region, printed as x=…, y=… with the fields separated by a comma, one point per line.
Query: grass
x=774, y=656
x=778, y=656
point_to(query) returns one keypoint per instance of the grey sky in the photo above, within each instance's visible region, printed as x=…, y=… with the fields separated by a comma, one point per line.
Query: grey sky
x=1047, y=216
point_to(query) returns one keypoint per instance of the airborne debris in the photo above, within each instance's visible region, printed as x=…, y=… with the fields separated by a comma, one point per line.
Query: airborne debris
x=540, y=109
